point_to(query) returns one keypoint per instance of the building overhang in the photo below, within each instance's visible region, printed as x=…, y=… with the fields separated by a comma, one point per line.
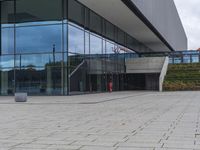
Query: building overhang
x=125, y=15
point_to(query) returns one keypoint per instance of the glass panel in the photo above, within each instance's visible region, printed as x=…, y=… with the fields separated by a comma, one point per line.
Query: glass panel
x=7, y=47
x=65, y=73
x=95, y=23
x=121, y=37
x=38, y=60
x=7, y=61
x=7, y=41
x=96, y=63
x=7, y=13
x=38, y=39
x=76, y=12
x=186, y=58
x=78, y=78
x=78, y=66
x=87, y=18
x=76, y=47
x=35, y=11
x=95, y=45
x=195, y=58
x=110, y=30
x=76, y=40
x=170, y=60
x=6, y=81
x=65, y=37
x=87, y=43
x=6, y=75
x=177, y=60
x=39, y=74
x=109, y=47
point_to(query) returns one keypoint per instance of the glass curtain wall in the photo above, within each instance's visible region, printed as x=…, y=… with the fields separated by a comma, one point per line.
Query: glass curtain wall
x=38, y=46
x=59, y=47
x=32, y=49
x=7, y=48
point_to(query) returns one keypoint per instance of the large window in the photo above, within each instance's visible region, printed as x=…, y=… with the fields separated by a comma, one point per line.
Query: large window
x=95, y=44
x=38, y=39
x=40, y=73
x=7, y=27
x=39, y=26
x=59, y=46
x=75, y=47
x=77, y=63
x=76, y=40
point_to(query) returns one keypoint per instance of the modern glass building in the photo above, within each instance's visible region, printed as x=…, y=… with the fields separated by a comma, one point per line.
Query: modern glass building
x=63, y=47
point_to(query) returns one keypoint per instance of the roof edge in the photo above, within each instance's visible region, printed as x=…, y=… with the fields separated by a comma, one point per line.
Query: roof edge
x=140, y=15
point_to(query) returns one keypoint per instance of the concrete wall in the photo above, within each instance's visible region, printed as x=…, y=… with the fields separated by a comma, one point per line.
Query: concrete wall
x=154, y=68
x=164, y=17
x=163, y=73
x=145, y=65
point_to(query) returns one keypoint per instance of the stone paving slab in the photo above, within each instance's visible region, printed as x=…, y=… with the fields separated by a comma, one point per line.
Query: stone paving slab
x=107, y=121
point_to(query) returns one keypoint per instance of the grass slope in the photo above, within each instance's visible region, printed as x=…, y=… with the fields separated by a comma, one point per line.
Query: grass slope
x=182, y=77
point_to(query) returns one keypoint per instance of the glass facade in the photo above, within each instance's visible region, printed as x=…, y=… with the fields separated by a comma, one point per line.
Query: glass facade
x=192, y=56
x=60, y=47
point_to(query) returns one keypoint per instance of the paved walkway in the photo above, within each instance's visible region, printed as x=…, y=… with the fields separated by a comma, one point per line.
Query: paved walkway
x=116, y=121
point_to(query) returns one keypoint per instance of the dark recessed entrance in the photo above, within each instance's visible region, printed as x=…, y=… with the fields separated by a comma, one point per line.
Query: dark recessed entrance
x=142, y=82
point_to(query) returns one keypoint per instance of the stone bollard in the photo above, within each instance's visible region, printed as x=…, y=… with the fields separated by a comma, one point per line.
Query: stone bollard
x=20, y=97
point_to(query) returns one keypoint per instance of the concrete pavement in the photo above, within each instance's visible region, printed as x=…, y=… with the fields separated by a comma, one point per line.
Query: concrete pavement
x=116, y=121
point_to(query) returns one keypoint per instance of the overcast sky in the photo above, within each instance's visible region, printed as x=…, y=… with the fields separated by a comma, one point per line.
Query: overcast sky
x=190, y=15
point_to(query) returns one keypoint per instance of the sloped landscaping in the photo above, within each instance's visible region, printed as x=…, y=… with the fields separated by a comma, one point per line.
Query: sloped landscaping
x=182, y=77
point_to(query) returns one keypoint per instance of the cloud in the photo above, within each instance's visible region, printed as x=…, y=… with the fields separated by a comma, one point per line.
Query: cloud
x=190, y=15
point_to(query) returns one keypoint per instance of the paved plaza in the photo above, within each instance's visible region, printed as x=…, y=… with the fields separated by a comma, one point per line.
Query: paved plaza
x=108, y=121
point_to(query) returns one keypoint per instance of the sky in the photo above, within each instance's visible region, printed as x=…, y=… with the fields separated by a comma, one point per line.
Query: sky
x=190, y=15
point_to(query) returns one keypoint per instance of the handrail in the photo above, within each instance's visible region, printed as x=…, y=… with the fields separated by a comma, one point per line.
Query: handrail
x=77, y=68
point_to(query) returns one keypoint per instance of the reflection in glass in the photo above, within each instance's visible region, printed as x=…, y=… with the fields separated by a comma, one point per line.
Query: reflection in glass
x=6, y=81
x=37, y=39
x=121, y=37
x=76, y=47
x=39, y=74
x=88, y=62
x=170, y=60
x=76, y=12
x=7, y=13
x=110, y=30
x=7, y=41
x=110, y=48
x=38, y=60
x=95, y=23
x=96, y=62
x=186, y=59
x=34, y=11
x=195, y=58
x=6, y=75
x=177, y=60
x=7, y=61
x=76, y=40
x=95, y=44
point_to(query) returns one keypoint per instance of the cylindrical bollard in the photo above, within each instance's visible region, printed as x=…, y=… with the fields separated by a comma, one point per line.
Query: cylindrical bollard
x=20, y=97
